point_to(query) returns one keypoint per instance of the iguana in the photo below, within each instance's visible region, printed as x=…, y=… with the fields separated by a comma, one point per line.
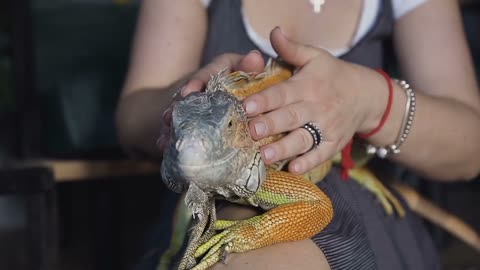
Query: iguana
x=211, y=156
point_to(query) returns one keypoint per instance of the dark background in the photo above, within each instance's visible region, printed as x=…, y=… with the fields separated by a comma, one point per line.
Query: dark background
x=62, y=64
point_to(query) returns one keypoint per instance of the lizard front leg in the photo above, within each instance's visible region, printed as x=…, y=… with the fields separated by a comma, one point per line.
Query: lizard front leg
x=200, y=232
x=298, y=210
x=202, y=206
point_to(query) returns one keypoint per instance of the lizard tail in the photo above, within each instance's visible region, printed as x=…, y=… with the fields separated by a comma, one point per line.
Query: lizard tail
x=438, y=216
x=181, y=220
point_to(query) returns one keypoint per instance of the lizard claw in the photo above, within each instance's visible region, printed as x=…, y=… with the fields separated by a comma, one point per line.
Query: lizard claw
x=207, y=262
x=219, y=255
x=223, y=258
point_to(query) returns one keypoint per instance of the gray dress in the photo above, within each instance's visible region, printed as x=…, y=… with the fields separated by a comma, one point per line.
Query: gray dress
x=360, y=235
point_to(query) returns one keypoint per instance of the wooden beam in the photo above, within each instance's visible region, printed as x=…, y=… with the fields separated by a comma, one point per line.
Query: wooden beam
x=81, y=170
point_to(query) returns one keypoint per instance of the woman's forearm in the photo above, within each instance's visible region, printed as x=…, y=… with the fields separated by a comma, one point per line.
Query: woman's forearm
x=139, y=119
x=444, y=140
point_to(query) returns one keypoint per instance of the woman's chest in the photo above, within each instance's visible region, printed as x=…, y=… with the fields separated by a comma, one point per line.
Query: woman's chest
x=334, y=28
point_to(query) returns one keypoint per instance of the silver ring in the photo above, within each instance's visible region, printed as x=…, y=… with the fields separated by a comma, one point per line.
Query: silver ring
x=314, y=130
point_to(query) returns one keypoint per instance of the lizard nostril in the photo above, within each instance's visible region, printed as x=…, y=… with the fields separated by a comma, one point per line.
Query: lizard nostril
x=179, y=145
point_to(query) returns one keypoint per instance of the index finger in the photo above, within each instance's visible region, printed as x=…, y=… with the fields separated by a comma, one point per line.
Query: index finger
x=271, y=98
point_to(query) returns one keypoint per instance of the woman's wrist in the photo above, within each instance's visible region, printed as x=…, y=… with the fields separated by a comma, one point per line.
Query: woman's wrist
x=375, y=95
x=372, y=92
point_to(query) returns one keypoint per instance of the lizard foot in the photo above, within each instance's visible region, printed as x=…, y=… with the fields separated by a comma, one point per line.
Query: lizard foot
x=237, y=236
x=368, y=180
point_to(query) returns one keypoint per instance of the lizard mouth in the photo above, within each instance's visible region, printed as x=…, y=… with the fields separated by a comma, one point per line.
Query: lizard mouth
x=218, y=162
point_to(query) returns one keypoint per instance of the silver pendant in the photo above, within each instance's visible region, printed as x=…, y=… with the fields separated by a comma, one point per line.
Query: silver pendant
x=317, y=5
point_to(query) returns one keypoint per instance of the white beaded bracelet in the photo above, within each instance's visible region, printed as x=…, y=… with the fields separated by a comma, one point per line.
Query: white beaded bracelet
x=406, y=126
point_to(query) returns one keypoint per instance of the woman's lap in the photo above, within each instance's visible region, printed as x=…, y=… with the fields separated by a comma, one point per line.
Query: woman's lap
x=301, y=255
x=360, y=236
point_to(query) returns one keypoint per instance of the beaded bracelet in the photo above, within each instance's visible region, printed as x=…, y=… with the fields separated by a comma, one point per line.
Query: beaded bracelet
x=406, y=125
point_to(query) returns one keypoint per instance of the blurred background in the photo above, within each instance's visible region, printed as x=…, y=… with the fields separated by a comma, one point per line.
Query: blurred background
x=68, y=197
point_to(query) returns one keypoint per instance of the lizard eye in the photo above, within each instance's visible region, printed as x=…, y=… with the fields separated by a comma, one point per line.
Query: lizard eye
x=230, y=124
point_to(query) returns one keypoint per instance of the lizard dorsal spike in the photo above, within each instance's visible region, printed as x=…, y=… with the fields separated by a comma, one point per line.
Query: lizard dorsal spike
x=216, y=82
x=240, y=79
x=242, y=85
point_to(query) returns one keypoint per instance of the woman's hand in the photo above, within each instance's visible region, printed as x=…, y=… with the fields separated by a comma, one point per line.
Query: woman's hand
x=325, y=91
x=251, y=62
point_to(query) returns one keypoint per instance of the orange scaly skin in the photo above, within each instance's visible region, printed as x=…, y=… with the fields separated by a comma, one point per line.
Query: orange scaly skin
x=295, y=202
x=258, y=85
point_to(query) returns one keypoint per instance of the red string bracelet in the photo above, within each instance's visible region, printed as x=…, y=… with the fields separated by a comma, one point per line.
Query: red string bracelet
x=347, y=162
x=387, y=110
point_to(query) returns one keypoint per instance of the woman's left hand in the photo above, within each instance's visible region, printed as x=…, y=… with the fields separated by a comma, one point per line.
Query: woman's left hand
x=324, y=90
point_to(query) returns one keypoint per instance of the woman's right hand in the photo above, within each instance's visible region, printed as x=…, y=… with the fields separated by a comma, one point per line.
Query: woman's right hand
x=251, y=62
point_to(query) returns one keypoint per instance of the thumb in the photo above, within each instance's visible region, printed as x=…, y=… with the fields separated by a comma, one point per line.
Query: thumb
x=292, y=52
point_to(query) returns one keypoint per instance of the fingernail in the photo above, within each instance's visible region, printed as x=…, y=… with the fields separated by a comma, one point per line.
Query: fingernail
x=181, y=90
x=187, y=89
x=184, y=92
x=260, y=128
x=297, y=167
x=251, y=107
x=256, y=52
x=268, y=153
x=281, y=30
x=193, y=85
x=178, y=92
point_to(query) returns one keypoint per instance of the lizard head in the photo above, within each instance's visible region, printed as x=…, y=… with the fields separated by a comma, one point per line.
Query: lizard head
x=210, y=146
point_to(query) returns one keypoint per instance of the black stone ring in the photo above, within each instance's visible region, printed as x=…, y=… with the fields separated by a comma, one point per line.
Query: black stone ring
x=314, y=130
